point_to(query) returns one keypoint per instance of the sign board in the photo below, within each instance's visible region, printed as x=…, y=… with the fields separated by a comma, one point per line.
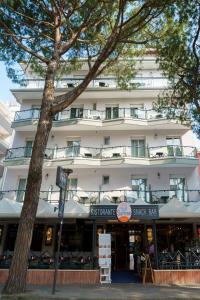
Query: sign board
x=61, y=178
x=146, y=212
x=104, y=249
x=124, y=212
x=61, y=207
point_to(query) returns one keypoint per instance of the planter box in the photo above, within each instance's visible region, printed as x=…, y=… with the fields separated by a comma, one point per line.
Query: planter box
x=177, y=276
x=45, y=277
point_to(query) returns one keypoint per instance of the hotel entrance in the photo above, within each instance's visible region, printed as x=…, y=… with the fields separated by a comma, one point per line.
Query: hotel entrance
x=127, y=246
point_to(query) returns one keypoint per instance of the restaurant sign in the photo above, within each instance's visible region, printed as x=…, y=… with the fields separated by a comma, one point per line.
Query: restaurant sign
x=124, y=212
x=137, y=212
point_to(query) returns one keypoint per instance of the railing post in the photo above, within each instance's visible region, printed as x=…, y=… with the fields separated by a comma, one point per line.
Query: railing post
x=148, y=151
x=99, y=196
x=146, y=116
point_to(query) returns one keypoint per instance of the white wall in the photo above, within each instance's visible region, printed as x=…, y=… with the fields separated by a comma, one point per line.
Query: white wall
x=120, y=178
x=117, y=138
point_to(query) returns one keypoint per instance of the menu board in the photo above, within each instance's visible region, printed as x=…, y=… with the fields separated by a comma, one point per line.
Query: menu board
x=104, y=249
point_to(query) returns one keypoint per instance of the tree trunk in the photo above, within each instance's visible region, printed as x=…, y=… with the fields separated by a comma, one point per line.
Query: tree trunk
x=16, y=282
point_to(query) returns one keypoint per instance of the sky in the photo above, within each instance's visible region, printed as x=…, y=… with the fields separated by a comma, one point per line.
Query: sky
x=5, y=86
x=6, y=96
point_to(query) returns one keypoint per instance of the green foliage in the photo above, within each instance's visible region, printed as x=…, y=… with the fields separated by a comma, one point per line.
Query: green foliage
x=28, y=32
x=178, y=56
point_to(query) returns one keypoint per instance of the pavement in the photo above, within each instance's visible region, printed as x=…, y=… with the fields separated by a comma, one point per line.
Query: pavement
x=108, y=292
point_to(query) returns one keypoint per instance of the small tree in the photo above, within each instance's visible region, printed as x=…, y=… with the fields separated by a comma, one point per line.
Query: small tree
x=179, y=58
x=50, y=36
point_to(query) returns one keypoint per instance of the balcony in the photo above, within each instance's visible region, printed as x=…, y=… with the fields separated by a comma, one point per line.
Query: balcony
x=162, y=196
x=99, y=83
x=111, y=118
x=123, y=156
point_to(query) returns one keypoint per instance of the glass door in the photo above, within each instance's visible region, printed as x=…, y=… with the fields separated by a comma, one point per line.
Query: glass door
x=177, y=187
x=139, y=186
x=174, y=146
x=28, y=149
x=112, y=112
x=76, y=112
x=21, y=190
x=72, y=187
x=134, y=112
x=138, y=148
x=73, y=148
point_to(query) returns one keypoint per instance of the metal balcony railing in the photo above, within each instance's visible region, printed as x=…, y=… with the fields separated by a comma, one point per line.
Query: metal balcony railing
x=131, y=195
x=111, y=113
x=104, y=82
x=116, y=152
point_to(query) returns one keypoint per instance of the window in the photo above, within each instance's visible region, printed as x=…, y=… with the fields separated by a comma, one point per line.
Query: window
x=105, y=179
x=112, y=112
x=37, y=238
x=72, y=187
x=73, y=148
x=174, y=146
x=139, y=186
x=1, y=233
x=94, y=106
x=36, y=111
x=177, y=188
x=106, y=140
x=136, y=111
x=138, y=148
x=76, y=112
x=21, y=190
x=28, y=149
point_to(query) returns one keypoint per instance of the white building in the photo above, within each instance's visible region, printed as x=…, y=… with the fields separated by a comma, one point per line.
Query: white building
x=119, y=148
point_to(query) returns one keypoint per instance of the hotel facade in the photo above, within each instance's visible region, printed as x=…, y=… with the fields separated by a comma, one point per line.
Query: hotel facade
x=120, y=150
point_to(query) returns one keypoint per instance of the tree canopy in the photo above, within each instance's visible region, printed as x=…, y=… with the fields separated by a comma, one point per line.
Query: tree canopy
x=179, y=58
x=52, y=37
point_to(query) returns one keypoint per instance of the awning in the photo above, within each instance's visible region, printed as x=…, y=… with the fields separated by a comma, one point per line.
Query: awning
x=175, y=209
x=46, y=210
x=10, y=208
x=75, y=210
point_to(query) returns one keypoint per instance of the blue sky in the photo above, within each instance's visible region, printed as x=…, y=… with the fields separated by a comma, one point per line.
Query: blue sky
x=5, y=84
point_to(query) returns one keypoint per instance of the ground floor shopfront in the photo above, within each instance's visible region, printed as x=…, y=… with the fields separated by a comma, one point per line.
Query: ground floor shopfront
x=172, y=245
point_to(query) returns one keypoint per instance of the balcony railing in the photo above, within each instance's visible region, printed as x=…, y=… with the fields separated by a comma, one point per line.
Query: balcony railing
x=89, y=114
x=105, y=82
x=117, y=152
x=131, y=195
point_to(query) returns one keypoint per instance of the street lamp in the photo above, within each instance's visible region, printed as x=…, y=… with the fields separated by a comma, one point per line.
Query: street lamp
x=61, y=181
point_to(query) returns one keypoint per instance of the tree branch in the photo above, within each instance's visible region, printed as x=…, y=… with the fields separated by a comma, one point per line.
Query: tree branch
x=18, y=42
x=28, y=17
x=65, y=100
x=82, y=28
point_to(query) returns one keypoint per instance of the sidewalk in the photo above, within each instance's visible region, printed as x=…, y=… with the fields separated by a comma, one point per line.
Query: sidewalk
x=109, y=292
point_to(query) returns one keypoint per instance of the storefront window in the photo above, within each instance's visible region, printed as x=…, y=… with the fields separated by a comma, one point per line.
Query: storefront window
x=11, y=237
x=174, y=237
x=49, y=236
x=37, y=238
x=149, y=235
x=1, y=233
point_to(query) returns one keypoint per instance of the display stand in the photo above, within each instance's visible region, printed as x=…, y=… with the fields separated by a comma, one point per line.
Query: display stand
x=105, y=274
x=105, y=257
